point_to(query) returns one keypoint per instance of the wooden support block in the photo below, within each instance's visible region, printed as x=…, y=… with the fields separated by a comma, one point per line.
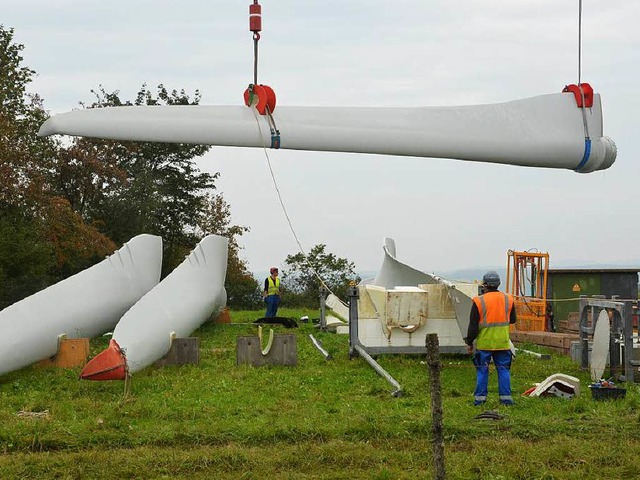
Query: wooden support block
x=527, y=337
x=71, y=353
x=283, y=351
x=561, y=351
x=183, y=351
x=568, y=340
x=518, y=337
x=552, y=340
x=557, y=342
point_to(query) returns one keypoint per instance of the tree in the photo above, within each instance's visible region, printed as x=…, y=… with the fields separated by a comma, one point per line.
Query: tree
x=29, y=212
x=300, y=281
x=15, y=77
x=23, y=155
x=26, y=257
x=87, y=176
x=75, y=244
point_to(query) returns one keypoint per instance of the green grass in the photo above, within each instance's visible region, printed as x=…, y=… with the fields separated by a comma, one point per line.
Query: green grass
x=321, y=419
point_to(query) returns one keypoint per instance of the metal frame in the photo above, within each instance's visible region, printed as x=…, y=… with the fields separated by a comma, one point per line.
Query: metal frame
x=539, y=263
x=621, y=333
x=531, y=306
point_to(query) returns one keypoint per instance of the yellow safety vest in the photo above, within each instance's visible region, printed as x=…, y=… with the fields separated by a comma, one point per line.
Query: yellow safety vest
x=495, y=312
x=274, y=286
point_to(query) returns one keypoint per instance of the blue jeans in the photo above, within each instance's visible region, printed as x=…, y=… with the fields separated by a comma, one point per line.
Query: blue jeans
x=272, y=302
x=502, y=361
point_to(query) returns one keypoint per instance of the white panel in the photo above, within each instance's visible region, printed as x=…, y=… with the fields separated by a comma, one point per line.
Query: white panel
x=601, y=338
x=406, y=307
x=378, y=296
x=338, y=307
x=184, y=300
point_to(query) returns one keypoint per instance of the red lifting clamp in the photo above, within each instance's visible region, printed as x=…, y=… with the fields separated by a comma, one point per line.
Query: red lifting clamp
x=581, y=91
x=266, y=98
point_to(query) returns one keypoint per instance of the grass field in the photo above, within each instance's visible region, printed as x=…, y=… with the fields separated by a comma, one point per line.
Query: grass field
x=320, y=419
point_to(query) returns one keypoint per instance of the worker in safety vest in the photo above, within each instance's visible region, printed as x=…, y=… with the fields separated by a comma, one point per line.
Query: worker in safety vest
x=271, y=292
x=489, y=320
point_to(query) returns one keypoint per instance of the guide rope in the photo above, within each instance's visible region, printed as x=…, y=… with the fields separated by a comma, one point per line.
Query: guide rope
x=284, y=209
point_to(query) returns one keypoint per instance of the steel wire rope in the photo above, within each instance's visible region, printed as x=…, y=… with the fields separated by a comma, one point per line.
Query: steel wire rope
x=284, y=209
x=256, y=37
x=579, y=40
x=584, y=112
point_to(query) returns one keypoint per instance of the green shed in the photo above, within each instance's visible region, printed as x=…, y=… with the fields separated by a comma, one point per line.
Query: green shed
x=570, y=283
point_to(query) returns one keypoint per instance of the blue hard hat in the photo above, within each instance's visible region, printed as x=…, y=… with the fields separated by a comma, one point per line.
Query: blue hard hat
x=491, y=279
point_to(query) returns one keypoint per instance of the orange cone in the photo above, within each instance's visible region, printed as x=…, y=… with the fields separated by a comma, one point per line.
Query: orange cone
x=111, y=364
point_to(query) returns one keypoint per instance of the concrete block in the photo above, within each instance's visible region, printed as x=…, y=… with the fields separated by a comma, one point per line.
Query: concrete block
x=183, y=351
x=283, y=351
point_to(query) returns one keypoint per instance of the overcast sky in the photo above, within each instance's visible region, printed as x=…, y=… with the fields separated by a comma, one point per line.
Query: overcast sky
x=444, y=214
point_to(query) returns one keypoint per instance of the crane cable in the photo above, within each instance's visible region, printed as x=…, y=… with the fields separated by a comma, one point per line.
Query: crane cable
x=587, y=137
x=284, y=209
x=579, y=41
x=255, y=26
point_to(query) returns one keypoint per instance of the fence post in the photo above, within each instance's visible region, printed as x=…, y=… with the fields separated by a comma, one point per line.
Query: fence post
x=437, y=429
x=323, y=318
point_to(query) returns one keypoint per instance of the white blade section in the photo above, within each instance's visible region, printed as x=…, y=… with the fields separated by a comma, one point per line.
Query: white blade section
x=543, y=131
x=178, y=305
x=394, y=273
x=82, y=306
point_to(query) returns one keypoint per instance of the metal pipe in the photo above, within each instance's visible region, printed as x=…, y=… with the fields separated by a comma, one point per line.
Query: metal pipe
x=318, y=345
x=541, y=356
x=381, y=371
x=353, y=319
x=356, y=348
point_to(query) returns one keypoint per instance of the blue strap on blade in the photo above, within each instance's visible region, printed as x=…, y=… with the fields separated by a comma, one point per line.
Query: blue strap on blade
x=587, y=154
x=275, y=140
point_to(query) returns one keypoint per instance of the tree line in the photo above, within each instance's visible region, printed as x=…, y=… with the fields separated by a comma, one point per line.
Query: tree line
x=66, y=204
